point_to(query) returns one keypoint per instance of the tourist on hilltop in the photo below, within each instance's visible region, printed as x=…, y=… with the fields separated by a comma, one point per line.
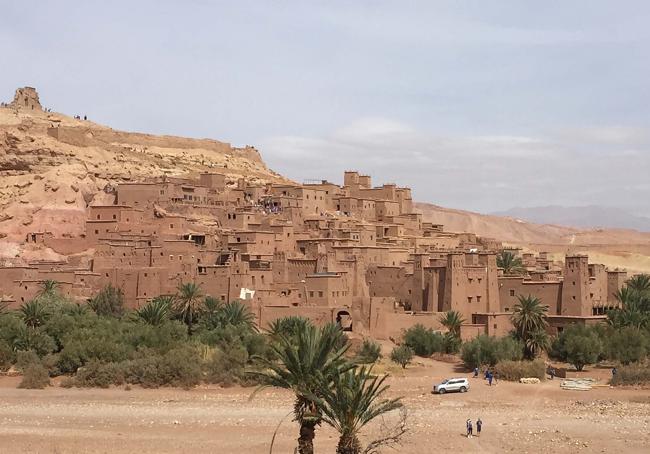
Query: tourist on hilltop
x=479, y=424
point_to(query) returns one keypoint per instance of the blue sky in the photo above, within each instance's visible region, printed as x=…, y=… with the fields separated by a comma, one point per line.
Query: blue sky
x=474, y=104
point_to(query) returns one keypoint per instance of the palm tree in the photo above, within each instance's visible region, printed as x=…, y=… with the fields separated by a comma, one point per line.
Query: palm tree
x=352, y=402
x=528, y=317
x=49, y=288
x=157, y=311
x=236, y=314
x=34, y=313
x=634, y=310
x=187, y=303
x=307, y=365
x=537, y=342
x=452, y=320
x=510, y=263
x=288, y=326
x=639, y=283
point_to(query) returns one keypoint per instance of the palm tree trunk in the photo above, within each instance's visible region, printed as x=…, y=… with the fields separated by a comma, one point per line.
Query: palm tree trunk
x=348, y=444
x=306, y=438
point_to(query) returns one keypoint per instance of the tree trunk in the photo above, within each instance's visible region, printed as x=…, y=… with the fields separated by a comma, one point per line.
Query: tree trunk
x=306, y=439
x=348, y=444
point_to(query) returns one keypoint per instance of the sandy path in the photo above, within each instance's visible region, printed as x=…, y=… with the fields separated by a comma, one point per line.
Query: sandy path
x=517, y=418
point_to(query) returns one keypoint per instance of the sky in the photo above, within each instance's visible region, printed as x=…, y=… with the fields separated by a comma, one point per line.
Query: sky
x=477, y=105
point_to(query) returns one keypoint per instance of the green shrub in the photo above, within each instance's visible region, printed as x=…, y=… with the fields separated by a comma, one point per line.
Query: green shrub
x=514, y=370
x=423, y=341
x=177, y=367
x=369, y=352
x=578, y=345
x=35, y=376
x=451, y=343
x=6, y=356
x=227, y=367
x=100, y=375
x=402, y=355
x=627, y=345
x=490, y=350
x=26, y=358
x=634, y=374
x=109, y=302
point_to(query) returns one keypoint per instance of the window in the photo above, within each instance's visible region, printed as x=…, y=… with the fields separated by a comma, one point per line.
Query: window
x=311, y=294
x=512, y=293
x=507, y=309
x=478, y=299
x=320, y=294
x=495, y=326
x=99, y=216
x=469, y=299
x=171, y=226
x=96, y=232
x=114, y=216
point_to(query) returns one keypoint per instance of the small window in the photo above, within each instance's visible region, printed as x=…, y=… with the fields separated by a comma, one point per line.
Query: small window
x=512, y=293
x=311, y=294
x=320, y=294
x=495, y=326
x=469, y=299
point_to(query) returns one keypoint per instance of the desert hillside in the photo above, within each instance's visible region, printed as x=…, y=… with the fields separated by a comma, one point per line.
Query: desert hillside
x=53, y=166
x=614, y=247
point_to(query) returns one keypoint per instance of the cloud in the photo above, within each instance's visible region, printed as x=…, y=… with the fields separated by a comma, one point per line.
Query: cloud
x=484, y=173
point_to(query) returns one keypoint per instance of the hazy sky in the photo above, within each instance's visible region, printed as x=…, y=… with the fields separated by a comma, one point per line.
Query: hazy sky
x=480, y=105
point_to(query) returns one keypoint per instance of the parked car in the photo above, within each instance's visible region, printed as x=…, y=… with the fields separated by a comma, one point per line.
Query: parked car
x=451, y=385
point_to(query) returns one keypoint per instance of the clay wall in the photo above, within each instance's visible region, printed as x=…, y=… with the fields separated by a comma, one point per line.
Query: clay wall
x=510, y=288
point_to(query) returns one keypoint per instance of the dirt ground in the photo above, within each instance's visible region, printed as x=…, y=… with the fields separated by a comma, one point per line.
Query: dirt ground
x=517, y=418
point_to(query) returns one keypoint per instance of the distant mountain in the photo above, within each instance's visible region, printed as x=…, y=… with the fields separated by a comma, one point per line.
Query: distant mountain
x=585, y=217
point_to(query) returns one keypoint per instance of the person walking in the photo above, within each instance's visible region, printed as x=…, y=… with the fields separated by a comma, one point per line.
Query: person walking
x=479, y=424
x=496, y=377
x=490, y=377
x=469, y=428
x=476, y=372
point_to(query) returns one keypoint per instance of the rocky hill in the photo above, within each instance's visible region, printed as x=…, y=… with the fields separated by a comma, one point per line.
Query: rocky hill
x=53, y=166
x=614, y=247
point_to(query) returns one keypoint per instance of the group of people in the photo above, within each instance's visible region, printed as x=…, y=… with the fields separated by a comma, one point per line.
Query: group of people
x=78, y=117
x=470, y=427
x=488, y=375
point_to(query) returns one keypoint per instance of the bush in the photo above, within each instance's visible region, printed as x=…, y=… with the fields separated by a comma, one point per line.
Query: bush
x=35, y=376
x=6, y=356
x=109, y=302
x=514, y=370
x=578, y=345
x=227, y=367
x=423, y=341
x=634, y=374
x=178, y=367
x=490, y=350
x=101, y=375
x=24, y=359
x=369, y=352
x=402, y=355
x=627, y=345
x=451, y=343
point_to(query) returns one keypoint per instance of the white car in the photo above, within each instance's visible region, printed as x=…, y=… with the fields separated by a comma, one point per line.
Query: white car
x=451, y=385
